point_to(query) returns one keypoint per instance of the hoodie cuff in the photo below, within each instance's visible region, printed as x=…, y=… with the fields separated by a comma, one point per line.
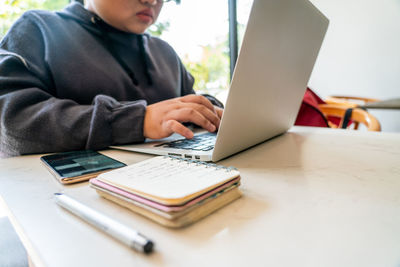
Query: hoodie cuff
x=213, y=100
x=115, y=123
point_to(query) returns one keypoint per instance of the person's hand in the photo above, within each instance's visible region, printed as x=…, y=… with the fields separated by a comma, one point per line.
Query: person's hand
x=166, y=117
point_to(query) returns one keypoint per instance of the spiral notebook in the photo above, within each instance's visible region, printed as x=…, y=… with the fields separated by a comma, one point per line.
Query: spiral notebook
x=171, y=191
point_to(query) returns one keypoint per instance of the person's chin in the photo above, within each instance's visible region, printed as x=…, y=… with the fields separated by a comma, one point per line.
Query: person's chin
x=138, y=28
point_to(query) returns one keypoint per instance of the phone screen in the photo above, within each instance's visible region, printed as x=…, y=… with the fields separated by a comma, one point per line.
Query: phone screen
x=77, y=163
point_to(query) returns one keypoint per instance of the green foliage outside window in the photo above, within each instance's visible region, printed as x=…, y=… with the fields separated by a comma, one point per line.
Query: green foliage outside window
x=11, y=10
x=211, y=72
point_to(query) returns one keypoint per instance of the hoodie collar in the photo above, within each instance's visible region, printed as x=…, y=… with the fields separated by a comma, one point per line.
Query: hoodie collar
x=108, y=34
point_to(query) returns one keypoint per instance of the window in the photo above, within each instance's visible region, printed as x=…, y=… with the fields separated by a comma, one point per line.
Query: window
x=198, y=31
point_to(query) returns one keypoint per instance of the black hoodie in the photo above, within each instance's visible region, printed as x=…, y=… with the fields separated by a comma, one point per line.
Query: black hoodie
x=69, y=81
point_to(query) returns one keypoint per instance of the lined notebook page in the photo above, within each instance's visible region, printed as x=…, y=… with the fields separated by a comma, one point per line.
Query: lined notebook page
x=168, y=178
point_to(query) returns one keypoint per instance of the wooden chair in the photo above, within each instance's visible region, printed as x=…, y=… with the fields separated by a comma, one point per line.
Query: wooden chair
x=348, y=114
x=349, y=101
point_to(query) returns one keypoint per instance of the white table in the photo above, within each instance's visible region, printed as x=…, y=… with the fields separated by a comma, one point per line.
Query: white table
x=312, y=197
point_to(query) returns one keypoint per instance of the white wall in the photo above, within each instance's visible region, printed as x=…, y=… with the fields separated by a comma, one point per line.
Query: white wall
x=361, y=53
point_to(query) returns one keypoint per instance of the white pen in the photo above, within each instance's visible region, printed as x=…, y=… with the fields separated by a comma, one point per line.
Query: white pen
x=117, y=230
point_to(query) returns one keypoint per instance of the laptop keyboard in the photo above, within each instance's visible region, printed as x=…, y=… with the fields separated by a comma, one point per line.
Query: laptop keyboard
x=201, y=142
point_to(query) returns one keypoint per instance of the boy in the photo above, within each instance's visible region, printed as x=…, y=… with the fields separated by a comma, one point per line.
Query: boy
x=89, y=77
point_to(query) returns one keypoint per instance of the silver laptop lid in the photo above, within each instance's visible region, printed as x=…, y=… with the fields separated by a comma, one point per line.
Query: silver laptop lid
x=279, y=49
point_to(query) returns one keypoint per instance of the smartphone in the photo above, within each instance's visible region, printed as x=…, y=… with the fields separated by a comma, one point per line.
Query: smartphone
x=77, y=166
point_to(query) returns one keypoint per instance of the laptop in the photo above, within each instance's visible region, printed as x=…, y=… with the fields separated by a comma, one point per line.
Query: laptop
x=279, y=50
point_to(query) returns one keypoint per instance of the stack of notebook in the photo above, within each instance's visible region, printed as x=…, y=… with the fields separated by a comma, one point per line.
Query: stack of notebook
x=171, y=191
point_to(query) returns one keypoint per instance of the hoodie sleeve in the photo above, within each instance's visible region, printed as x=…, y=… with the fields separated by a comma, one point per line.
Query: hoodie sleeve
x=34, y=121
